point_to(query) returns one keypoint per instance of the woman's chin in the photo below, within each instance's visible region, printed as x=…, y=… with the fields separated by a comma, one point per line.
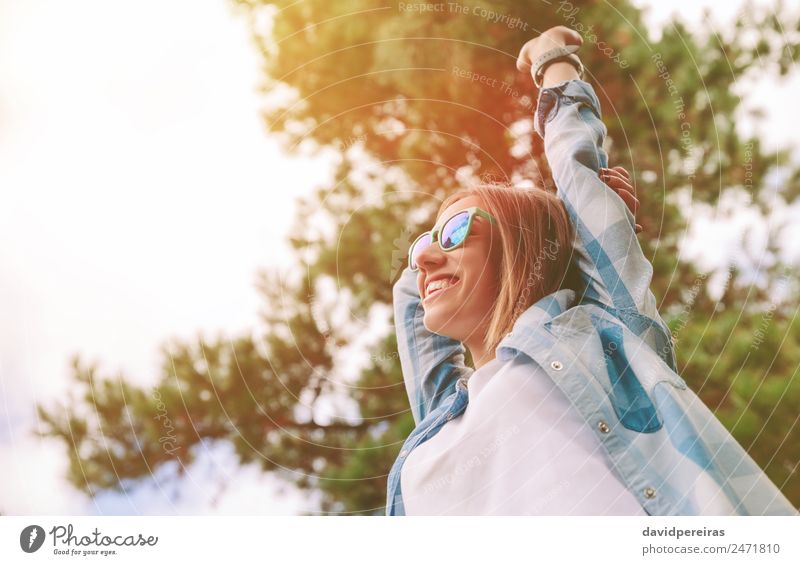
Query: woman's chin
x=434, y=323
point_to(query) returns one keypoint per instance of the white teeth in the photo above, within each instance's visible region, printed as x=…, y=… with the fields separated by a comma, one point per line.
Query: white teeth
x=438, y=284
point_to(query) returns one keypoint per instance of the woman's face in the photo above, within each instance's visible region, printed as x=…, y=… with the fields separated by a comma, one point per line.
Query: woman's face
x=462, y=309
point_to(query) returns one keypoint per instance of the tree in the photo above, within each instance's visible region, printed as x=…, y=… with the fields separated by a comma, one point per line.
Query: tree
x=416, y=104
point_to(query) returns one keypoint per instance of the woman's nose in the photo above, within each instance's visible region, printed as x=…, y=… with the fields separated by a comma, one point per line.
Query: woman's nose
x=431, y=256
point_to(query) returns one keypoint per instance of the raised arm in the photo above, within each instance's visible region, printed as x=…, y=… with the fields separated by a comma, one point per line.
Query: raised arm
x=431, y=363
x=616, y=273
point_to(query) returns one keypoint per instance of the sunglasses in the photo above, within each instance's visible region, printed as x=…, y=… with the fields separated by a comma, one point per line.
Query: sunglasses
x=451, y=235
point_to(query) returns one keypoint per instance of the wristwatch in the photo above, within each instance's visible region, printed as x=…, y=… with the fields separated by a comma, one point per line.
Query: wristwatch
x=558, y=54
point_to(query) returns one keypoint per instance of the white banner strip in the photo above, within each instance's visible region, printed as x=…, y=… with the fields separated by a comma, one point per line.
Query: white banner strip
x=382, y=540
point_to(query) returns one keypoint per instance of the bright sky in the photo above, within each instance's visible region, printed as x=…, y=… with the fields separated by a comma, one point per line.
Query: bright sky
x=139, y=195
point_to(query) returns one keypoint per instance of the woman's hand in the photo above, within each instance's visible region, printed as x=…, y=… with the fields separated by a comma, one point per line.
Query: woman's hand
x=559, y=36
x=619, y=180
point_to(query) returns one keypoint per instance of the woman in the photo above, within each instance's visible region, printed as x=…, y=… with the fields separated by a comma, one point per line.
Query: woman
x=574, y=405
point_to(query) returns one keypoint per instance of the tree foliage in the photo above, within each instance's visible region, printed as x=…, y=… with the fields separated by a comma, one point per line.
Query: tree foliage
x=417, y=104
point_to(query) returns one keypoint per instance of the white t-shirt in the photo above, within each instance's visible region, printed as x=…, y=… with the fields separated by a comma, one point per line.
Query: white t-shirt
x=519, y=448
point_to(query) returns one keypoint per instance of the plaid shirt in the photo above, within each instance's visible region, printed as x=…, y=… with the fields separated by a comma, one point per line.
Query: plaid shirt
x=608, y=349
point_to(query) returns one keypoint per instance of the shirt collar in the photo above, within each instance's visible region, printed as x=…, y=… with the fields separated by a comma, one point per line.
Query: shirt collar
x=538, y=314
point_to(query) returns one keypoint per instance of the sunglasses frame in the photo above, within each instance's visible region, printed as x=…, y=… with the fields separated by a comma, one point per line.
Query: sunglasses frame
x=434, y=232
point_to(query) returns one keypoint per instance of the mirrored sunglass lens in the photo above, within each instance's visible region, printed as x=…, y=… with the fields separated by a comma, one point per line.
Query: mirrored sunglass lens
x=455, y=230
x=418, y=248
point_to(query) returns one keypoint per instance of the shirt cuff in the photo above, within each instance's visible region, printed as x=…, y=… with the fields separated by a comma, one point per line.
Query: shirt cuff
x=567, y=92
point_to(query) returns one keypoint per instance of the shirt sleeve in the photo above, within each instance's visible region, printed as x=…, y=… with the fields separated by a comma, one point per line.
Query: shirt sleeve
x=616, y=273
x=431, y=363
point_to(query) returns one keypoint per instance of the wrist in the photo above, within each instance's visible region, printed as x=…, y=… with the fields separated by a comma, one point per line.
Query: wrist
x=552, y=56
x=558, y=72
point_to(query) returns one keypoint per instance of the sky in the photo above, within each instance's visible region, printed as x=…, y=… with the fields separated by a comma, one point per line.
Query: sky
x=139, y=196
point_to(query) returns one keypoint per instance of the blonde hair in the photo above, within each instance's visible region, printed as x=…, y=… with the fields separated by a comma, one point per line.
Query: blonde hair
x=535, y=252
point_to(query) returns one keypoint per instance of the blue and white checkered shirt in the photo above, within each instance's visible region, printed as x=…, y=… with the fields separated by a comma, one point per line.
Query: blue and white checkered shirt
x=608, y=349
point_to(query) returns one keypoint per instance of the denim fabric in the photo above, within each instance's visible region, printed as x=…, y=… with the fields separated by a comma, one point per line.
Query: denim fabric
x=608, y=349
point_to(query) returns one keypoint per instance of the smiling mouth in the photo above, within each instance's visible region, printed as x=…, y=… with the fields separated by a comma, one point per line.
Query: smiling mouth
x=439, y=291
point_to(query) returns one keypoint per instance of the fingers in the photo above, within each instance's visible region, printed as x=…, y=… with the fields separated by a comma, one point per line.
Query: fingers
x=549, y=39
x=608, y=175
x=618, y=171
x=621, y=180
x=624, y=172
x=618, y=181
x=628, y=198
x=571, y=36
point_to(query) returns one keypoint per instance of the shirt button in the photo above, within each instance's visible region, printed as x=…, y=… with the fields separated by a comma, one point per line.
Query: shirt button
x=603, y=427
x=404, y=453
x=556, y=365
x=649, y=492
x=449, y=416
